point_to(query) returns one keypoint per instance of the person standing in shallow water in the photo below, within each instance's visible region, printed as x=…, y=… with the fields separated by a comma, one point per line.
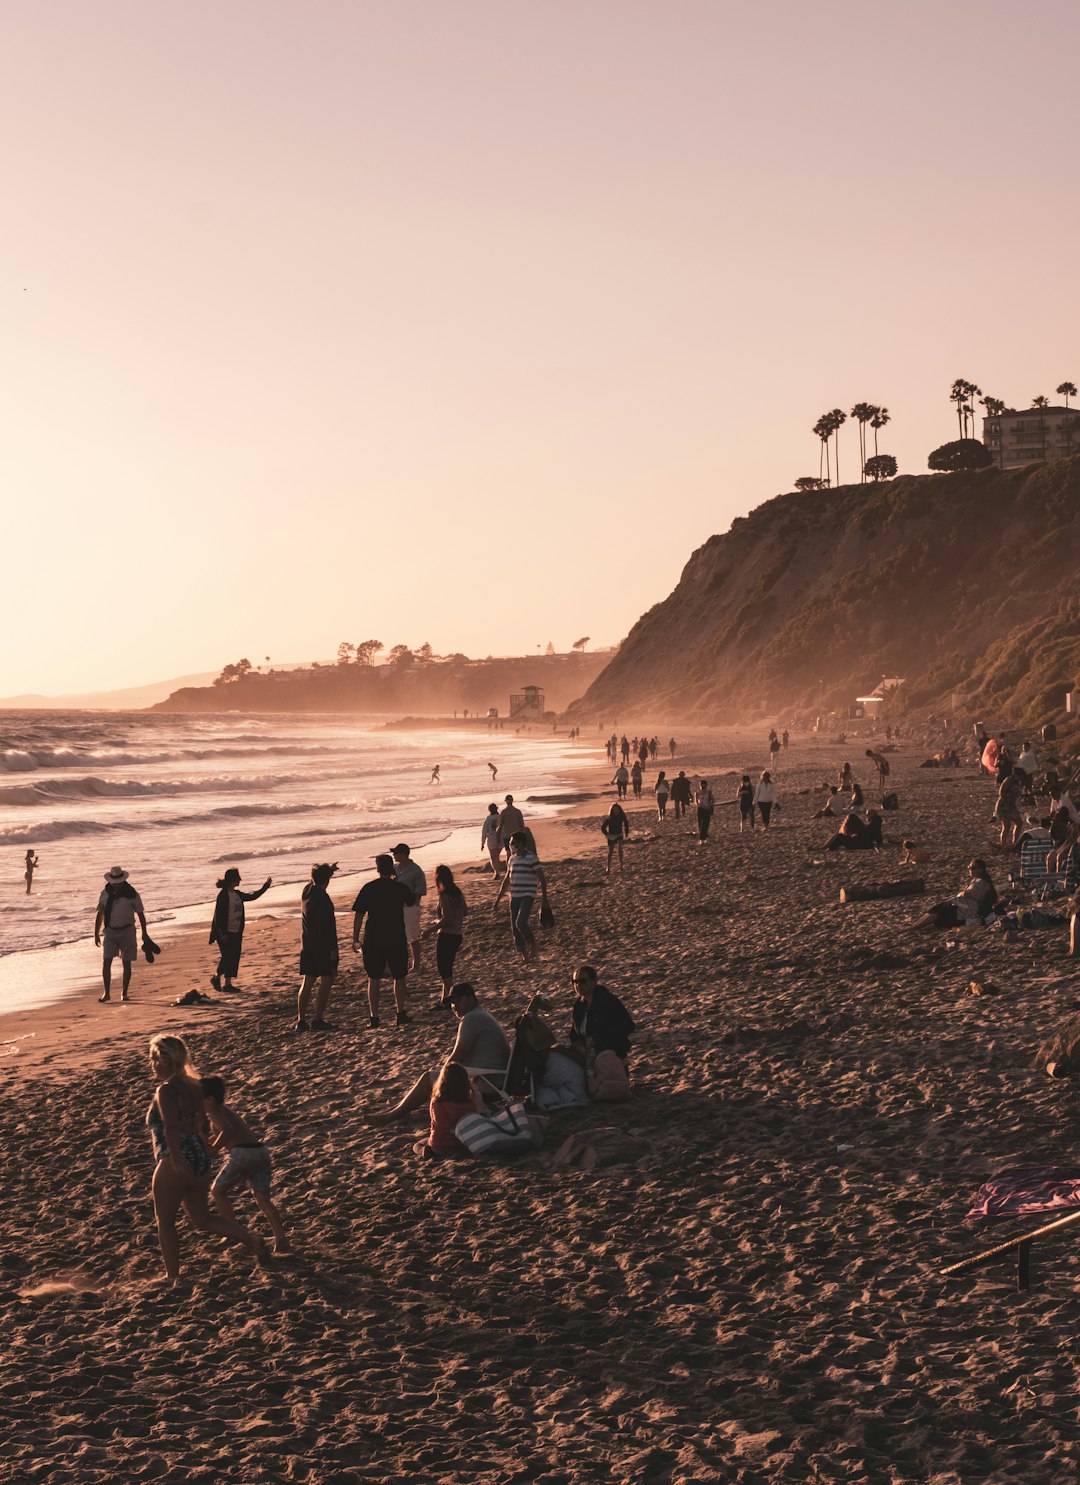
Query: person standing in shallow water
x=227, y=929
x=318, y=950
x=31, y=865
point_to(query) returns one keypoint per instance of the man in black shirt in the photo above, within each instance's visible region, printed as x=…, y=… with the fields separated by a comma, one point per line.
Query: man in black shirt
x=599, y=1017
x=385, y=946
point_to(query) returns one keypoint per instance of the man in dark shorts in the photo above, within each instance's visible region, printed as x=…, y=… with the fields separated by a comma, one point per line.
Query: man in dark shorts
x=385, y=946
x=118, y=907
x=681, y=794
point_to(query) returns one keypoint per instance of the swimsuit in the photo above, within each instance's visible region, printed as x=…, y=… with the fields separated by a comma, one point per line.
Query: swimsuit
x=192, y=1146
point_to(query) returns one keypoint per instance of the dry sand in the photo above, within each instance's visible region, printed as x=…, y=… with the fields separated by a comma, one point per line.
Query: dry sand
x=735, y=1277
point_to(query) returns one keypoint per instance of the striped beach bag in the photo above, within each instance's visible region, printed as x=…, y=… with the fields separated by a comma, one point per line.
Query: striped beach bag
x=509, y=1131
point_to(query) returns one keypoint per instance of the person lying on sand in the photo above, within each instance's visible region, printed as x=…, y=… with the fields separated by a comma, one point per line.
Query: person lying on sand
x=248, y=1162
x=481, y=1046
x=180, y=1136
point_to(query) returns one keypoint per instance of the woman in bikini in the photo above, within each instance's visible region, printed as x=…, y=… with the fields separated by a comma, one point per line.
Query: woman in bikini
x=179, y=1134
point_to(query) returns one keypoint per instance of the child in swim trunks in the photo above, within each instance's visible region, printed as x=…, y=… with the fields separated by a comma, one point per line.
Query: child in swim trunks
x=247, y=1162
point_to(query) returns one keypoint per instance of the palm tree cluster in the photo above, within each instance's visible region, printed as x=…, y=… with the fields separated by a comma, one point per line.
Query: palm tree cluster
x=828, y=427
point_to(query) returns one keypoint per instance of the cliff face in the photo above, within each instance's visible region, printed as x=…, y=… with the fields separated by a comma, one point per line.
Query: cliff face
x=960, y=582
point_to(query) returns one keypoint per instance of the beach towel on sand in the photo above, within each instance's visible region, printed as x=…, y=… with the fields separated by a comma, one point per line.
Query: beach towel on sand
x=1020, y=1192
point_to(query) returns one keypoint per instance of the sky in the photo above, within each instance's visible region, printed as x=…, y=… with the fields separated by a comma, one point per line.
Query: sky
x=465, y=322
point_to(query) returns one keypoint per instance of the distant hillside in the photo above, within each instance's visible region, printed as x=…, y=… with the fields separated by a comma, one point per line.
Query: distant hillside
x=434, y=688
x=961, y=583
x=128, y=698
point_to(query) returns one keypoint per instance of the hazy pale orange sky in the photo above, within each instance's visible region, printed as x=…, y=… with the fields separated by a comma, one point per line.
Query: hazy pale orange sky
x=467, y=322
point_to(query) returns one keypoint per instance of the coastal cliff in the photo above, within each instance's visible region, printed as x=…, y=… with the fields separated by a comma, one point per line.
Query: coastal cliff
x=436, y=687
x=961, y=583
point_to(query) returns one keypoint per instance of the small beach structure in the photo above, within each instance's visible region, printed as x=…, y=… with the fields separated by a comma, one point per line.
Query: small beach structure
x=529, y=705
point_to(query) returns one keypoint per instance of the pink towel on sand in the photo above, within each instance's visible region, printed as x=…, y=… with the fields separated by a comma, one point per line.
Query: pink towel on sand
x=1020, y=1192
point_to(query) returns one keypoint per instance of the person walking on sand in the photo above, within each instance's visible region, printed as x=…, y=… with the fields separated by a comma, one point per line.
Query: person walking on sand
x=635, y=780
x=411, y=876
x=662, y=789
x=745, y=797
x=450, y=912
x=705, y=806
x=318, y=950
x=511, y=820
x=118, y=907
x=681, y=794
x=31, y=866
x=435, y=779
x=671, y=746
x=523, y=875
x=489, y=838
x=616, y=829
x=179, y=1135
x=247, y=1161
x=227, y=929
x=621, y=780
x=766, y=797
x=383, y=902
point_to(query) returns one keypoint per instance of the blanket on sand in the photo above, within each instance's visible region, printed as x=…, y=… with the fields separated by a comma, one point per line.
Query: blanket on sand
x=1018, y=1192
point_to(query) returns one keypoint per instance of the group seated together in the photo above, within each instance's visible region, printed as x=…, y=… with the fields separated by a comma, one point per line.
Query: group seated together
x=467, y=1097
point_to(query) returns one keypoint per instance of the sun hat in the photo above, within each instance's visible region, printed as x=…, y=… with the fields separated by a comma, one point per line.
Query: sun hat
x=116, y=874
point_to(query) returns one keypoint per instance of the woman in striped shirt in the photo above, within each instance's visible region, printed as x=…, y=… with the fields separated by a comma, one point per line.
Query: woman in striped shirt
x=523, y=874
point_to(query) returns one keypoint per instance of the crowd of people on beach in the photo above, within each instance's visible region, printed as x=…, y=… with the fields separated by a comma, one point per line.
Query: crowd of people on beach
x=190, y=1117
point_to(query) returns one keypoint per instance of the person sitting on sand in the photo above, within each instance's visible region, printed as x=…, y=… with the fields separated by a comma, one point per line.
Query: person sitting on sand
x=118, y=907
x=453, y=1097
x=227, y=929
x=179, y=1135
x=600, y=1030
x=834, y=805
x=846, y=778
x=31, y=866
x=481, y=1046
x=248, y=1161
x=616, y=829
x=318, y=949
x=972, y=904
x=914, y=854
x=856, y=834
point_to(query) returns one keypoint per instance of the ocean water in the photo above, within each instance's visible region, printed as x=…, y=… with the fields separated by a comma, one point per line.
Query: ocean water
x=176, y=799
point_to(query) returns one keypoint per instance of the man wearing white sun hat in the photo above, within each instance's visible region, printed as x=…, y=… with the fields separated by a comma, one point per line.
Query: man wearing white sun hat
x=118, y=907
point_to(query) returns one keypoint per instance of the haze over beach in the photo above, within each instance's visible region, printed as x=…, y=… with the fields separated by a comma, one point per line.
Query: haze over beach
x=573, y=978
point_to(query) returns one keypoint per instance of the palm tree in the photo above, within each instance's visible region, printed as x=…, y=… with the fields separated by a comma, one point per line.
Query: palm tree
x=864, y=411
x=1040, y=403
x=994, y=408
x=1067, y=390
x=963, y=394
x=823, y=429
x=837, y=418
x=878, y=421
